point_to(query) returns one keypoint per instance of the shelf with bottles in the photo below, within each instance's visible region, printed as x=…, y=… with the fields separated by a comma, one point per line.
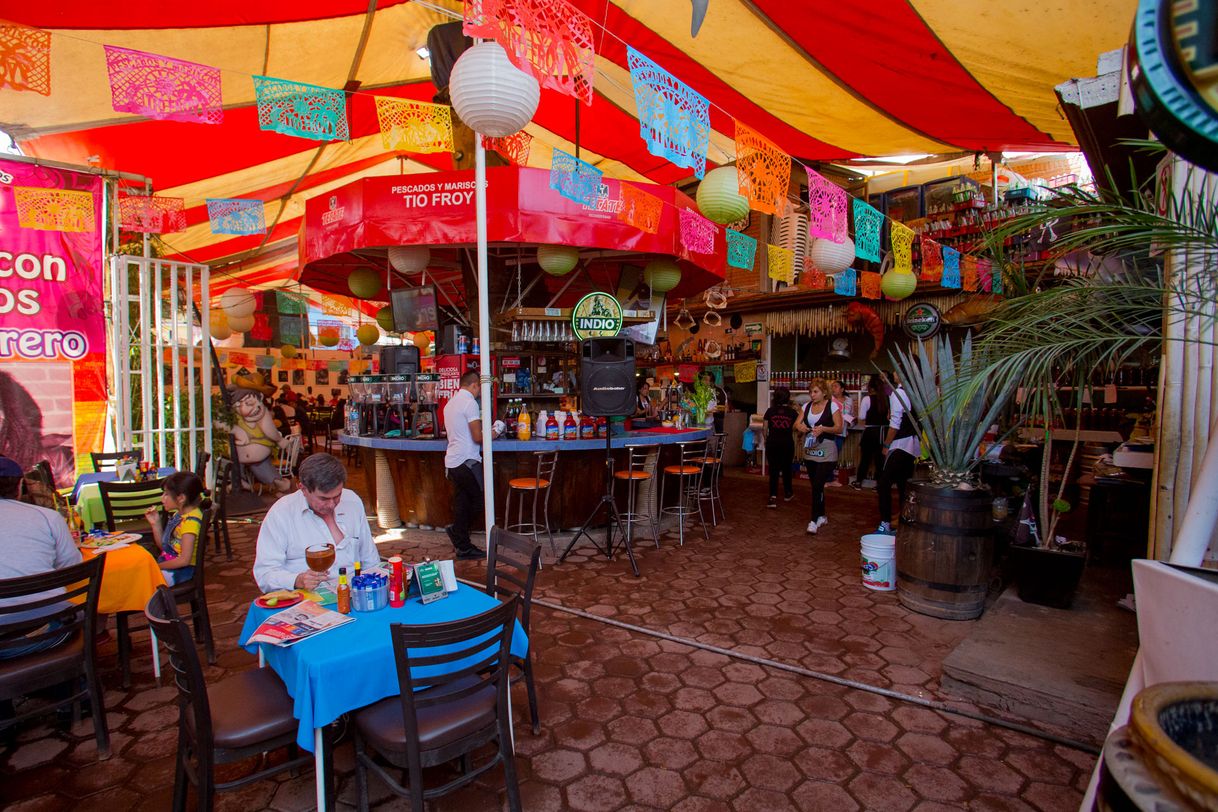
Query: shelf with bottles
x=538, y=374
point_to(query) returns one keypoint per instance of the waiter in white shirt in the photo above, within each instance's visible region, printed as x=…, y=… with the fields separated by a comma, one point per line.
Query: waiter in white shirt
x=463, y=463
x=323, y=511
x=901, y=450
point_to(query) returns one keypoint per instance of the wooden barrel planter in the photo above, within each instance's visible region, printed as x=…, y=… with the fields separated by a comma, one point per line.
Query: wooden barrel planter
x=945, y=551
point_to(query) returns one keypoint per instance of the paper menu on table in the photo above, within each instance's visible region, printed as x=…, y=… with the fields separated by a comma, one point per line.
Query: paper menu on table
x=449, y=576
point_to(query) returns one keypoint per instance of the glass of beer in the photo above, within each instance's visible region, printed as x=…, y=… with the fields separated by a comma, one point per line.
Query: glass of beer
x=320, y=557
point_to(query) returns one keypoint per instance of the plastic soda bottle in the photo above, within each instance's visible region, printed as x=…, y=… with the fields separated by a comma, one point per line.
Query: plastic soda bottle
x=551, y=428
x=524, y=425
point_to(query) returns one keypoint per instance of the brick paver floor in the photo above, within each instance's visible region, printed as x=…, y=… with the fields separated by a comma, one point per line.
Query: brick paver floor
x=632, y=720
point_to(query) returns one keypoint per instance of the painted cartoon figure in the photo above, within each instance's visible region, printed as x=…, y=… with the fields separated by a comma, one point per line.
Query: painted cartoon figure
x=255, y=437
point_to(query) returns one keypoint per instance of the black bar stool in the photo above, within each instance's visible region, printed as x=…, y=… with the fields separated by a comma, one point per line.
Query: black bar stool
x=639, y=473
x=688, y=474
x=539, y=485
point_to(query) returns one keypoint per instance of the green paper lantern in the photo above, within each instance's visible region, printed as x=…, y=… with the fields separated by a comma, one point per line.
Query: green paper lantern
x=662, y=275
x=557, y=260
x=364, y=283
x=368, y=334
x=897, y=285
x=384, y=317
x=719, y=197
x=288, y=351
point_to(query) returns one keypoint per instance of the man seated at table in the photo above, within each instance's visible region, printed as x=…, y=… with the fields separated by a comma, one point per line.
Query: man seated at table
x=35, y=540
x=322, y=512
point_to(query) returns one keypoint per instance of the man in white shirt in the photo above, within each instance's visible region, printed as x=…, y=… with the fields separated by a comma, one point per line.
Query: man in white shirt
x=901, y=450
x=323, y=511
x=463, y=463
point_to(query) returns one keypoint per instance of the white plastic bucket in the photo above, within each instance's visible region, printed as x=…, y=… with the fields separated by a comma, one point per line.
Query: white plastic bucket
x=878, y=560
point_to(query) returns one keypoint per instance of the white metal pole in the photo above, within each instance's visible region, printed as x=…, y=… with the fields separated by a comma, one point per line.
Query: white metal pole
x=159, y=346
x=190, y=367
x=205, y=327
x=175, y=376
x=484, y=336
x=145, y=299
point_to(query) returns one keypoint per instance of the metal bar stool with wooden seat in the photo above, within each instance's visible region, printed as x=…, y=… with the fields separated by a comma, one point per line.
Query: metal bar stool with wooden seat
x=713, y=462
x=539, y=486
x=689, y=475
x=639, y=473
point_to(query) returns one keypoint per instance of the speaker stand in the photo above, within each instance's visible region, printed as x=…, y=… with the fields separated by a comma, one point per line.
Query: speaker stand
x=613, y=517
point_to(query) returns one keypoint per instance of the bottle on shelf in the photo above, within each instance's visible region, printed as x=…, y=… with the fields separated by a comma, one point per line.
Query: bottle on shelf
x=524, y=426
x=551, y=428
x=343, y=592
x=587, y=427
x=570, y=428
x=602, y=427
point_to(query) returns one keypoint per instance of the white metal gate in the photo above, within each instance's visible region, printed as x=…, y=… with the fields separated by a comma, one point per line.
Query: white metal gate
x=161, y=335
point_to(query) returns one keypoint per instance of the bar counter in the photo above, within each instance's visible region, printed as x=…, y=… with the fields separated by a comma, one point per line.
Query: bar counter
x=423, y=495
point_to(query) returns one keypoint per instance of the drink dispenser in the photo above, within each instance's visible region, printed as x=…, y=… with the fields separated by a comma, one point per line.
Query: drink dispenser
x=399, y=394
x=427, y=389
x=357, y=418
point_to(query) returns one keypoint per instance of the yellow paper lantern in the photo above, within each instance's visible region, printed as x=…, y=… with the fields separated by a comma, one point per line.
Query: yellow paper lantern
x=238, y=302
x=368, y=334
x=662, y=275
x=328, y=336
x=364, y=283
x=241, y=324
x=288, y=351
x=384, y=317
x=219, y=325
x=897, y=285
x=422, y=340
x=557, y=260
x=719, y=197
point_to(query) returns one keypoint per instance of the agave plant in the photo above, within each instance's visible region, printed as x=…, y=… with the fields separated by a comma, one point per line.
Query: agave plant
x=953, y=418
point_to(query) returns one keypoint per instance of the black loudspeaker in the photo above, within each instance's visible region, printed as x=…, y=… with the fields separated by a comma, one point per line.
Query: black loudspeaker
x=606, y=377
x=399, y=360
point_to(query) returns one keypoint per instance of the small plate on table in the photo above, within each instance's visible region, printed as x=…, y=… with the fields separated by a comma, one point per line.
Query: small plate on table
x=283, y=598
x=108, y=540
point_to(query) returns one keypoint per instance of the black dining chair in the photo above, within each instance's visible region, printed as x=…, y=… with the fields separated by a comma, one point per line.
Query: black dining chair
x=71, y=614
x=109, y=462
x=439, y=717
x=237, y=718
x=124, y=504
x=192, y=592
x=201, y=459
x=511, y=569
x=219, y=495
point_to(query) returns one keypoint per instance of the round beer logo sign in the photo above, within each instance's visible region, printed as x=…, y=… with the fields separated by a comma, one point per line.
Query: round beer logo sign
x=921, y=321
x=597, y=315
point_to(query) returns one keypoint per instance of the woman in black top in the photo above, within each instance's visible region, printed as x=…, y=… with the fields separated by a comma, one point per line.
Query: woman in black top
x=821, y=421
x=779, y=419
x=874, y=411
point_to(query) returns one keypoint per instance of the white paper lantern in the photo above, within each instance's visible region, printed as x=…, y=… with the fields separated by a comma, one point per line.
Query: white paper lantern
x=409, y=258
x=490, y=94
x=238, y=302
x=241, y=324
x=831, y=257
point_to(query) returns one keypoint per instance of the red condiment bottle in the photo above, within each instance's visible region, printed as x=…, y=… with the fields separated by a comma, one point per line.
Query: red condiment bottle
x=343, y=592
x=397, y=593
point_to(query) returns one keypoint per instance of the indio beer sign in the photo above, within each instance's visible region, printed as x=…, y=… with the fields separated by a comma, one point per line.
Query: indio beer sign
x=597, y=315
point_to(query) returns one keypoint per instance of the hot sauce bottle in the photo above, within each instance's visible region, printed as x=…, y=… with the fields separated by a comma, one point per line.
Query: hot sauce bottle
x=344, y=592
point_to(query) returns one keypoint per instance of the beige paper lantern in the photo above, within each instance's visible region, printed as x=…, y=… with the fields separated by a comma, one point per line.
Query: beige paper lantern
x=241, y=324
x=238, y=302
x=219, y=325
x=409, y=258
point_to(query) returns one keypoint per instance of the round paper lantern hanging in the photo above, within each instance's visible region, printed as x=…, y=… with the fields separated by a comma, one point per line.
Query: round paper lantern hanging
x=384, y=317
x=719, y=197
x=490, y=94
x=241, y=324
x=557, y=260
x=662, y=275
x=219, y=325
x=364, y=283
x=409, y=258
x=288, y=350
x=422, y=340
x=368, y=334
x=897, y=285
x=238, y=302
x=328, y=336
x=831, y=257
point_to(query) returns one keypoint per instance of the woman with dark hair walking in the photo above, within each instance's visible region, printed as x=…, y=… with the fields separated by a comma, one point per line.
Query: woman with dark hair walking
x=874, y=410
x=779, y=419
x=820, y=422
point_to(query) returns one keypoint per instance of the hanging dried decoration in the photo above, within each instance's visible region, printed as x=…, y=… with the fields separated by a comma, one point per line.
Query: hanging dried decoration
x=827, y=204
x=414, y=126
x=869, y=284
x=674, y=119
x=813, y=278
x=261, y=331
x=45, y=209
x=932, y=260
x=697, y=233
x=514, y=147
x=867, y=225
x=951, y=268
x=290, y=303
x=575, y=179
x=236, y=216
x=762, y=170
x=846, y=283
x=968, y=272
x=983, y=275
x=741, y=249
x=151, y=215
x=549, y=39
x=27, y=58
x=781, y=264
x=163, y=88
x=296, y=108
x=641, y=209
x=901, y=237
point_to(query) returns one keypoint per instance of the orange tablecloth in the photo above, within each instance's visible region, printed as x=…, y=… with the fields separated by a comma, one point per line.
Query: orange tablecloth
x=129, y=579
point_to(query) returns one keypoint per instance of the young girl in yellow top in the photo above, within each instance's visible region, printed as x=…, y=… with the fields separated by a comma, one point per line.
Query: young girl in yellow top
x=183, y=495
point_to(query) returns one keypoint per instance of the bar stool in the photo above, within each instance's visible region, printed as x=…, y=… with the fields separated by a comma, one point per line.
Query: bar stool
x=713, y=462
x=537, y=485
x=689, y=486
x=639, y=473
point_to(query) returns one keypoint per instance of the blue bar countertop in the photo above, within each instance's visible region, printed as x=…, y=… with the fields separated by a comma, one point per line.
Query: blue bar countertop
x=641, y=437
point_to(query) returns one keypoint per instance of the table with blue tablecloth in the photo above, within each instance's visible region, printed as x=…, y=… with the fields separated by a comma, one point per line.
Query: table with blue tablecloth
x=353, y=666
x=86, y=495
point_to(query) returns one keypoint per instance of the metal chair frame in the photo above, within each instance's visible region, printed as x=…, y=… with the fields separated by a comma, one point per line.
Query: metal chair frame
x=511, y=570
x=641, y=463
x=714, y=465
x=546, y=464
x=689, y=487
